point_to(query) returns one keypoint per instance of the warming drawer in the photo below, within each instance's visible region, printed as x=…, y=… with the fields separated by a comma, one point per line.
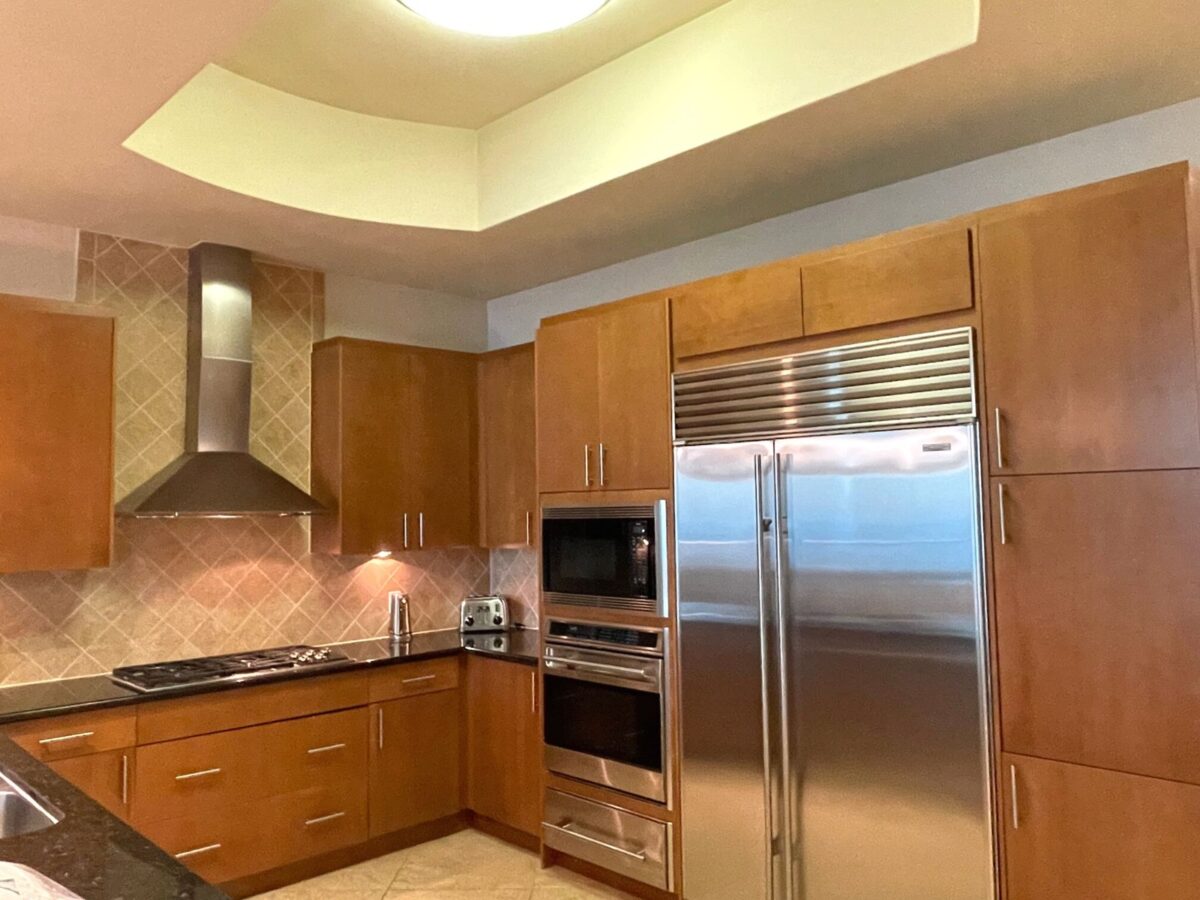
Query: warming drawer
x=618, y=840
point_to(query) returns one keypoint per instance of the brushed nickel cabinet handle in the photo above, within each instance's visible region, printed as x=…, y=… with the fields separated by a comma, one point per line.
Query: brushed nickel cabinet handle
x=999, y=440
x=533, y=692
x=209, y=848
x=528, y=528
x=124, y=779
x=1012, y=789
x=420, y=531
x=601, y=454
x=322, y=819
x=379, y=736
x=1003, y=517
x=406, y=531
x=188, y=776
x=46, y=742
x=587, y=465
x=326, y=749
x=418, y=678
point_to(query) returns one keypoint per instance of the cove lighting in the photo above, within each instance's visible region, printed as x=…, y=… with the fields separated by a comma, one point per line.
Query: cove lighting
x=504, y=18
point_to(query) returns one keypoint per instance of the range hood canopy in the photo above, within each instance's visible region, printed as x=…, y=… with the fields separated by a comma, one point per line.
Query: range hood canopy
x=216, y=475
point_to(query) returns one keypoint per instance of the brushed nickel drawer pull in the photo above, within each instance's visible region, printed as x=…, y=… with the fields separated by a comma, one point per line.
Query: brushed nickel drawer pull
x=406, y=531
x=1012, y=786
x=416, y=679
x=421, y=531
x=45, y=742
x=528, y=528
x=1003, y=517
x=326, y=749
x=567, y=829
x=206, y=849
x=188, y=776
x=999, y=440
x=379, y=715
x=587, y=465
x=601, y=455
x=322, y=819
x=125, y=779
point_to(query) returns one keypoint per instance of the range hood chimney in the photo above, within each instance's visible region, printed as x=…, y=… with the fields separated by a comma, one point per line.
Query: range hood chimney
x=216, y=475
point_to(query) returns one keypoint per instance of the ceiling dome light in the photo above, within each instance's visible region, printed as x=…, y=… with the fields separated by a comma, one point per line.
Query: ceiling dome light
x=504, y=18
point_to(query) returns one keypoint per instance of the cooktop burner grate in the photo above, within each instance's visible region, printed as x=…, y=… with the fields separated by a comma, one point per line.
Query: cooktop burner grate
x=183, y=673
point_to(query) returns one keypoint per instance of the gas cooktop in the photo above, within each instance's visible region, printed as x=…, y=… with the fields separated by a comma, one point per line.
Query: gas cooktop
x=232, y=667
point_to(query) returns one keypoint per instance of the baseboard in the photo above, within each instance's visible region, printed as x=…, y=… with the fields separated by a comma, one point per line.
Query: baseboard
x=506, y=833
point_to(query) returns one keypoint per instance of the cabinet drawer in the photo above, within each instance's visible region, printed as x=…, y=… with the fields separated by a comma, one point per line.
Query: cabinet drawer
x=320, y=751
x=618, y=840
x=312, y=822
x=218, y=847
x=170, y=719
x=410, y=679
x=64, y=737
x=920, y=277
x=200, y=776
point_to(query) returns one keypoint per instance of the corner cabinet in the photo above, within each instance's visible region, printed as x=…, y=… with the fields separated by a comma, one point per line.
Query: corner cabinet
x=393, y=447
x=56, y=444
x=603, y=398
x=507, y=450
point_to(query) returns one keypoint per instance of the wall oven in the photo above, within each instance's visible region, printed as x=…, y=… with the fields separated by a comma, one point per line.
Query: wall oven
x=604, y=690
x=607, y=557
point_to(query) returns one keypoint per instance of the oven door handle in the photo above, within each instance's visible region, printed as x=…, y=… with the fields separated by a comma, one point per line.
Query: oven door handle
x=598, y=668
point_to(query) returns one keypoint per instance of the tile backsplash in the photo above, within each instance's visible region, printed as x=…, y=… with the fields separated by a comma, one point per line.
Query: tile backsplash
x=181, y=588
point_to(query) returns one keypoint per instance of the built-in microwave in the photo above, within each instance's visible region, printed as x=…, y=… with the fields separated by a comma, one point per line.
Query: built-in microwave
x=607, y=557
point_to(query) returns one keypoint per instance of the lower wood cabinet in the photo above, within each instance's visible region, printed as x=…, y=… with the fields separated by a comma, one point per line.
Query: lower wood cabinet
x=504, y=740
x=105, y=777
x=416, y=760
x=1073, y=832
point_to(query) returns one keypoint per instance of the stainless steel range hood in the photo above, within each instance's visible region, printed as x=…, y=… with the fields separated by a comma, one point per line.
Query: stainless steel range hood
x=216, y=475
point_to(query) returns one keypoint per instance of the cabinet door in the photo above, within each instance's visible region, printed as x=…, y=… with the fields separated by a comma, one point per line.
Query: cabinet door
x=919, y=277
x=568, y=415
x=1088, y=333
x=741, y=309
x=635, y=396
x=359, y=396
x=416, y=761
x=438, y=436
x=1097, y=621
x=504, y=740
x=1076, y=832
x=507, y=448
x=105, y=777
x=56, y=446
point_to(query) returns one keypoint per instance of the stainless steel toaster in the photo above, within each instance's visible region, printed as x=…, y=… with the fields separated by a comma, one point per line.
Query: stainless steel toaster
x=484, y=614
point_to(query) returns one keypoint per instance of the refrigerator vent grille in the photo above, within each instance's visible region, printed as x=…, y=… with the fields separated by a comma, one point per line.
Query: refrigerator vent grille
x=916, y=379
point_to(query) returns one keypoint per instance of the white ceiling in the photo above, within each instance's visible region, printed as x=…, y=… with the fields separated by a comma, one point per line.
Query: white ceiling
x=81, y=78
x=379, y=58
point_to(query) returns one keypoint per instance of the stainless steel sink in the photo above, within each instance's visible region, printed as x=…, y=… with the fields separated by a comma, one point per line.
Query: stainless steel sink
x=20, y=812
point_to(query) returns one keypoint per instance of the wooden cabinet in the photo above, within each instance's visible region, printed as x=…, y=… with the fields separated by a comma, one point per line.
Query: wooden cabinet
x=393, y=444
x=105, y=777
x=741, y=309
x=1073, y=832
x=56, y=445
x=1096, y=580
x=603, y=398
x=504, y=762
x=1088, y=330
x=901, y=279
x=416, y=760
x=507, y=448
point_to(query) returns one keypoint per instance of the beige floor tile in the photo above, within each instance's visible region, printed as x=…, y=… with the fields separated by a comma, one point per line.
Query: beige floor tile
x=468, y=860
x=452, y=894
x=557, y=883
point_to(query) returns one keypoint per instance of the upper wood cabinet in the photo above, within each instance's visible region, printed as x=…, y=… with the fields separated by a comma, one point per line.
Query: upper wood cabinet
x=507, y=448
x=1072, y=832
x=56, y=444
x=902, y=279
x=504, y=737
x=1096, y=580
x=1088, y=329
x=755, y=306
x=603, y=398
x=393, y=446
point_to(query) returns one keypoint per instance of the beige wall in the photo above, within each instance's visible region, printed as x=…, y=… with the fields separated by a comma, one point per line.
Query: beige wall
x=361, y=308
x=36, y=259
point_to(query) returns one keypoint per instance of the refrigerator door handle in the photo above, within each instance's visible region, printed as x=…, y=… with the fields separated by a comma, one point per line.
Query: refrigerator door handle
x=762, y=528
x=781, y=617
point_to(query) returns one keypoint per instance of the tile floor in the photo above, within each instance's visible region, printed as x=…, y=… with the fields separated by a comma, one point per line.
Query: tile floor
x=467, y=865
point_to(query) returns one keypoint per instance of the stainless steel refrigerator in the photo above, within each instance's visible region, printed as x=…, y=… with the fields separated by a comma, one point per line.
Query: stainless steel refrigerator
x=833, y=688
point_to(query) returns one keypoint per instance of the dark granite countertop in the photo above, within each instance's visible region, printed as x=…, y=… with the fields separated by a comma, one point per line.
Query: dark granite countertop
x=90, y=851
x=71, y=695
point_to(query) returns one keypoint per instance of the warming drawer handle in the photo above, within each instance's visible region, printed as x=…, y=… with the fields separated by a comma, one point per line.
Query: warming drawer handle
x=320, y=820
x=188, y=776
x=209, y=848
x=326, y=749
x=66, y=737
x=600, y=668
x=566, y=828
